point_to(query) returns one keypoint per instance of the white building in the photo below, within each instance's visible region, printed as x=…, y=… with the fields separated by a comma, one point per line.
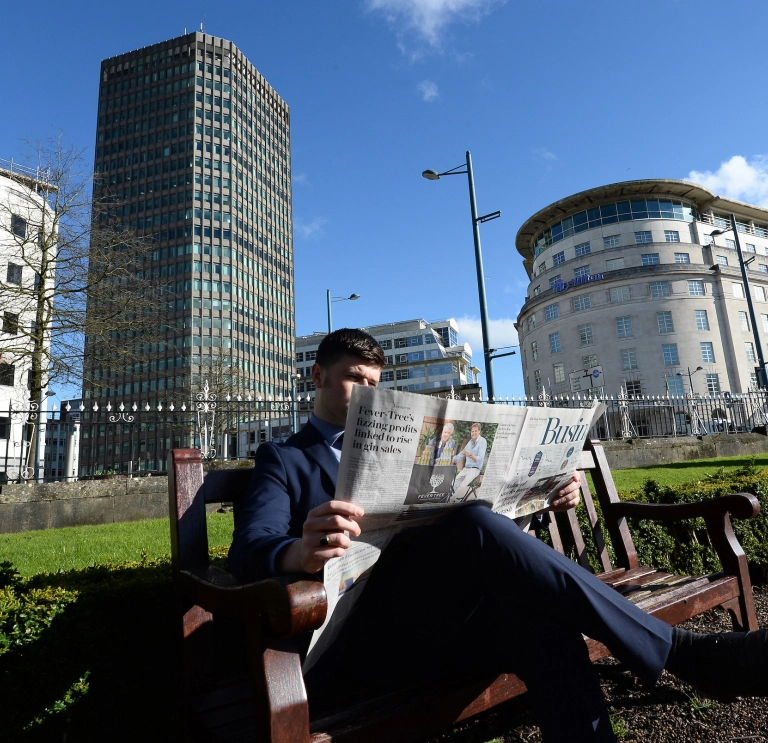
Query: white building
x=21, y=208
x=626, y=281
x=421, y=357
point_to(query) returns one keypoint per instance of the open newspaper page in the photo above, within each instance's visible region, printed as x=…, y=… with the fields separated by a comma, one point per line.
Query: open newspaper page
x=409, y=458
x=546, y=459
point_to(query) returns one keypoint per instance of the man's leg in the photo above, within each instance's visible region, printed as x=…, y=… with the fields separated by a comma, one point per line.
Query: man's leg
x=419, y=614
x=463, y=480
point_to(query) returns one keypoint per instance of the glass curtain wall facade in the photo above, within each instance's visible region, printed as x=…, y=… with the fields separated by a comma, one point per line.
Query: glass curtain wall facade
x=194, y=146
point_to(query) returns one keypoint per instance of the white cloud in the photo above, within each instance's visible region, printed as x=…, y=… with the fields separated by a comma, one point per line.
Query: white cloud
x=310, y=229
x=428, y=18
x=300, y=179
x=502, y=333
x=737, y=178
x=428, y=90
x=540, y=153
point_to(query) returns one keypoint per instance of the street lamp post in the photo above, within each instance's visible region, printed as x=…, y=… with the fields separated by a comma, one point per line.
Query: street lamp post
x=690, y=375
x=761, y=381
x=330, y=300
x=294, y=400
x=697, y=425
x=433, y=175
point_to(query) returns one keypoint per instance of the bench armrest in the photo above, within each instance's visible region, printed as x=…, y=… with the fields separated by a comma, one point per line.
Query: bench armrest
x=290, y=604
x=738, y=505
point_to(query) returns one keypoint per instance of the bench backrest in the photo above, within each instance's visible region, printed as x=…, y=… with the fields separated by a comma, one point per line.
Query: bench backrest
x=190, y=489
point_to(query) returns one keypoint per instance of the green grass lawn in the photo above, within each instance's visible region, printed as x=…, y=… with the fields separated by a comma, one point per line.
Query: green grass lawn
x=77, y=547
x=680, y=472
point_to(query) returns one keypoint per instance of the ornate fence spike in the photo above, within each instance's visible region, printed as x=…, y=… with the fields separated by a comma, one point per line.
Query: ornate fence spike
x=109, y=406
x=159, y=406
x=171, y=407
x=147, y=407
x=121, y=407
x=183, y=406
x=134, y=407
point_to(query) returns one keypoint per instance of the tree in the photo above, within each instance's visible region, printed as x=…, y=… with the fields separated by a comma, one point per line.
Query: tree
x=74, y=273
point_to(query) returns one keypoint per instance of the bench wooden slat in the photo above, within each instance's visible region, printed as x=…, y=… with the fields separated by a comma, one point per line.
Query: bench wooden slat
x=594, y=522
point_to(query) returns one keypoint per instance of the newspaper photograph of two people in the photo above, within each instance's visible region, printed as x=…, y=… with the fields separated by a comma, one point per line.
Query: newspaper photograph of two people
x=408, y=458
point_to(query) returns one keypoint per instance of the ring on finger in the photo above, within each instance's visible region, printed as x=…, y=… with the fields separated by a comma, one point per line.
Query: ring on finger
x=324, y=541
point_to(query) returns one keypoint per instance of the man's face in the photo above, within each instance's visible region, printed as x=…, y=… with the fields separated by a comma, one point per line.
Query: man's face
x=475, y=433
x=447, y=431
x=334, y=386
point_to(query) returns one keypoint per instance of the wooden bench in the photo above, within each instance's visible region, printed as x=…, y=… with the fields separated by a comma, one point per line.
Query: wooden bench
x=266, y=700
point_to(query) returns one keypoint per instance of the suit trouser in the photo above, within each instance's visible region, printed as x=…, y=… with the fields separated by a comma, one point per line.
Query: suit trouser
x=475, y=594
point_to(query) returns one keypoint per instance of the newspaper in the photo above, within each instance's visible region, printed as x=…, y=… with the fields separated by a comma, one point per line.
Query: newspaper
x=408, y=458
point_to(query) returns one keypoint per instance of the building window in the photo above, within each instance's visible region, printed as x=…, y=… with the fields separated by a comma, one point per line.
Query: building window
x=670, y=354
x=582, y=249
x=387, y=376
x=537, y=291
x=659, y=288
x=664, y=319
x=614, y=264
x=628, y=359
x=713, y=384
x=730, y=244
x=590, y=361
x=554, y=343
x=535, y=350
x=620, y=294
x=643, y=237
x=580, y=272
x=624, y=326
x=559, y=370
x=682, y=258
x=762, y=267
x=402, y=373
x=672, y=236
x=554, y=280
x=695, y=288
x=675, y=386
x=7, y=373
x=633, y=388
x=764, y=319
x=749, y=248
x=531, y=322
x=14, y=274
x=300, y=356
x=386, y=345
x=585, y=334
x=537, y=378
x=760, y=293
x=738, y=290
x=743, y=321
x=401, y=342
x=611, y=241
x=550, y=312
x=702, y=322
x=750, y=349
x=558, y=258
x=722, y=260
x=18, y=226
x=707, y=352
x=581, y=303
x=11, y=323
x=650, y=259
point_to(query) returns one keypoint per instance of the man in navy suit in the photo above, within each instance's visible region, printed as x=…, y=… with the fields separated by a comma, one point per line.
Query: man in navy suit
x=471, y=594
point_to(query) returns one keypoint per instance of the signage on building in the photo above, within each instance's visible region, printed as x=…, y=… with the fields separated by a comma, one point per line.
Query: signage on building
x=586, y=379
x=561, y=286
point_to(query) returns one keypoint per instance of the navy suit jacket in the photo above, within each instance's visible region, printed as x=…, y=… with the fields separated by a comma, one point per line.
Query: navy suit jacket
x=288, y=481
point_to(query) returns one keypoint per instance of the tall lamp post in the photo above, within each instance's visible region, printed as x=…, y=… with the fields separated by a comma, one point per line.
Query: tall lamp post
x=433, y=175
x=761, y=380
x=697, y=425
x=330, y=300
x=295, y=402
x=690, y=375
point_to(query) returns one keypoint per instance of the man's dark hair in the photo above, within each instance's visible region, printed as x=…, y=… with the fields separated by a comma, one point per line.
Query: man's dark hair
x=349, y=342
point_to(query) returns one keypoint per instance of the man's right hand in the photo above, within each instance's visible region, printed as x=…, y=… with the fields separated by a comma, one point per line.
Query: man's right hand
x=334, y=520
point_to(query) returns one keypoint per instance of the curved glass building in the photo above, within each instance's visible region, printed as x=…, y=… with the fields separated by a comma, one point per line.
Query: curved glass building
x=628, y=288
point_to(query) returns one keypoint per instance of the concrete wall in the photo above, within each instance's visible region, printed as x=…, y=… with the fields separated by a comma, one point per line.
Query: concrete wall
x=623, y=455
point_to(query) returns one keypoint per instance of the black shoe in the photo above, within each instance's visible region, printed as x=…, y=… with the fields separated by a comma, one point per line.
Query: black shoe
x=722, y=666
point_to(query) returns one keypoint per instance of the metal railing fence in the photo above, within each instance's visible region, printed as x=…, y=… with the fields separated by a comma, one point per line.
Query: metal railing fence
x=102, y=440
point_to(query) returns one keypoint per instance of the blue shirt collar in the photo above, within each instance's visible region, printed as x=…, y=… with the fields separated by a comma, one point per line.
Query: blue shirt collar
x=328, y=431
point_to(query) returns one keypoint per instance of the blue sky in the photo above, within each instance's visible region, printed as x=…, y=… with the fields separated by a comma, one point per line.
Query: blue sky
x=552, y=97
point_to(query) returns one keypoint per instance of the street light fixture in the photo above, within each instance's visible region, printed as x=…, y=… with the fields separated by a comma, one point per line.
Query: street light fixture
x=761, y=380
x=330, y=300
x=433, y=175
x=690, y=375
x=295, y=406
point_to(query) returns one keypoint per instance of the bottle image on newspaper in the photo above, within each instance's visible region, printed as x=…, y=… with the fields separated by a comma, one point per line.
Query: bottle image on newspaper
x=535, y=464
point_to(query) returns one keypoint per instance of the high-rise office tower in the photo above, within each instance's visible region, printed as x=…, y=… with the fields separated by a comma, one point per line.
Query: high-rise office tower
x=194, y=146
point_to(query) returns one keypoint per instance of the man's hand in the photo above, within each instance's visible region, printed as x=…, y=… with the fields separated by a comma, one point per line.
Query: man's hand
x=334, y=520
x=568, y=497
